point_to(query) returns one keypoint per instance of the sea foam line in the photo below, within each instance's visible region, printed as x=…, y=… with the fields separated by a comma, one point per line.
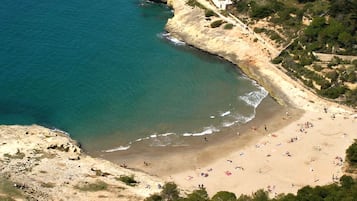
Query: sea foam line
x=207, y=131
x=254, y=98
x=172, y=39
x=120, y=148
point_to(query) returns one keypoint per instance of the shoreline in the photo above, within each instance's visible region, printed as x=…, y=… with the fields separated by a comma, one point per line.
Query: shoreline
x=164, y=160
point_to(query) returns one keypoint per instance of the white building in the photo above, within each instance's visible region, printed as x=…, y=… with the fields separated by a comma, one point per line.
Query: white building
x=222, y=4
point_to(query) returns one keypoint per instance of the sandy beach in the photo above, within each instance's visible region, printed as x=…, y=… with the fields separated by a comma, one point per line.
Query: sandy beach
x=308, y=151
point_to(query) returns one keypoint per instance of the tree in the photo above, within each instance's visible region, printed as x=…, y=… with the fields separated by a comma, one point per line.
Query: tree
x=154, y=197
x=198, y=195
x=345, y=38
x=260, y=195
x=170, y=192
x=352, y=154
x=224, y=196
x=346, y=182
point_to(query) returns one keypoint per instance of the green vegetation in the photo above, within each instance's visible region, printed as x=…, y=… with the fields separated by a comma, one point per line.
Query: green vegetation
x=217, y=23
x=345, y=189
x=194, y=3
x=97, y=186
x=228, y=26
x=209, y=13
x=128, y=180
x=351, y=154
x=17, y=155
x=8, y=191
x=224, y=195
x=169, y=192
x=278, y=12
x=310, y=27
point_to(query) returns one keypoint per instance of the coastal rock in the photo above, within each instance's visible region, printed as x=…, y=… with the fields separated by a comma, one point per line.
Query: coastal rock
x=45, y=164
x=242, y=46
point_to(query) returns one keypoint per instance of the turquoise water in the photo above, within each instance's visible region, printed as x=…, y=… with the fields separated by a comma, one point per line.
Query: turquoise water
x=98, y=69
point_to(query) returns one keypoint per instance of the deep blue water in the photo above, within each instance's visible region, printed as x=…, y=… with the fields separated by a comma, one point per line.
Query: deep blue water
x=98, y=69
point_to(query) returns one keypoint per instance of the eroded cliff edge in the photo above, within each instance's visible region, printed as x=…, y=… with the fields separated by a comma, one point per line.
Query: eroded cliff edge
x=45, y=164
x=241, y=46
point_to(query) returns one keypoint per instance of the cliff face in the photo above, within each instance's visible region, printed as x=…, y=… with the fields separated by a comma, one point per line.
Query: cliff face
x=241, y=46
x=45, y=164
x=236, y=45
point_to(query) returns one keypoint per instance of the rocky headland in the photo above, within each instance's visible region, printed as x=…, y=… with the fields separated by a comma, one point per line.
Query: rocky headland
x=45, y=164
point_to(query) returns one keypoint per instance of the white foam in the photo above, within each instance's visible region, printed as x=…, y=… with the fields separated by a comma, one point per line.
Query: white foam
x=60, y=131
x=166, y=134
x=120, y=148
x=153, y=136
x=244, y=119
x=206, y=131
x=225, y=113
x=228, y=124
x=172, y=39
x=254, y=98
x=212, y=117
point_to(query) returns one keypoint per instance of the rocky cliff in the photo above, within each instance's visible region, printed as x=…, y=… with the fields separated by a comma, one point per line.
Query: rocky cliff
x=44, y=164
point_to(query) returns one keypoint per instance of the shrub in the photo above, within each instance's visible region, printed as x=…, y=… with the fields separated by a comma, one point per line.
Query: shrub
x=198, y=195
x=346, y=182
x=216, y=23
x=317, y=67
x=333, y=75
x=128, y=180
x=170, y=191
x=259, y=30
x=228, y=26
x=333, y=92
x=352, y=154
x=154, y=197
x=224, y=195
x=277, y=60
x=209, y=13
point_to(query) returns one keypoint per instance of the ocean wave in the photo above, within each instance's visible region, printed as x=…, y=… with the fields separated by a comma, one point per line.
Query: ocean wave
x=225, y=113
x=172, y=39
x=206, y=131
x=120, y=148
x=244, y=119
x=228, y=124
x=254, y=98
x=59, y=131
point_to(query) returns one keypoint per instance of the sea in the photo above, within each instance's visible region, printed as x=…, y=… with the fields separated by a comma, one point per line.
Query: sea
x=108, y=74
